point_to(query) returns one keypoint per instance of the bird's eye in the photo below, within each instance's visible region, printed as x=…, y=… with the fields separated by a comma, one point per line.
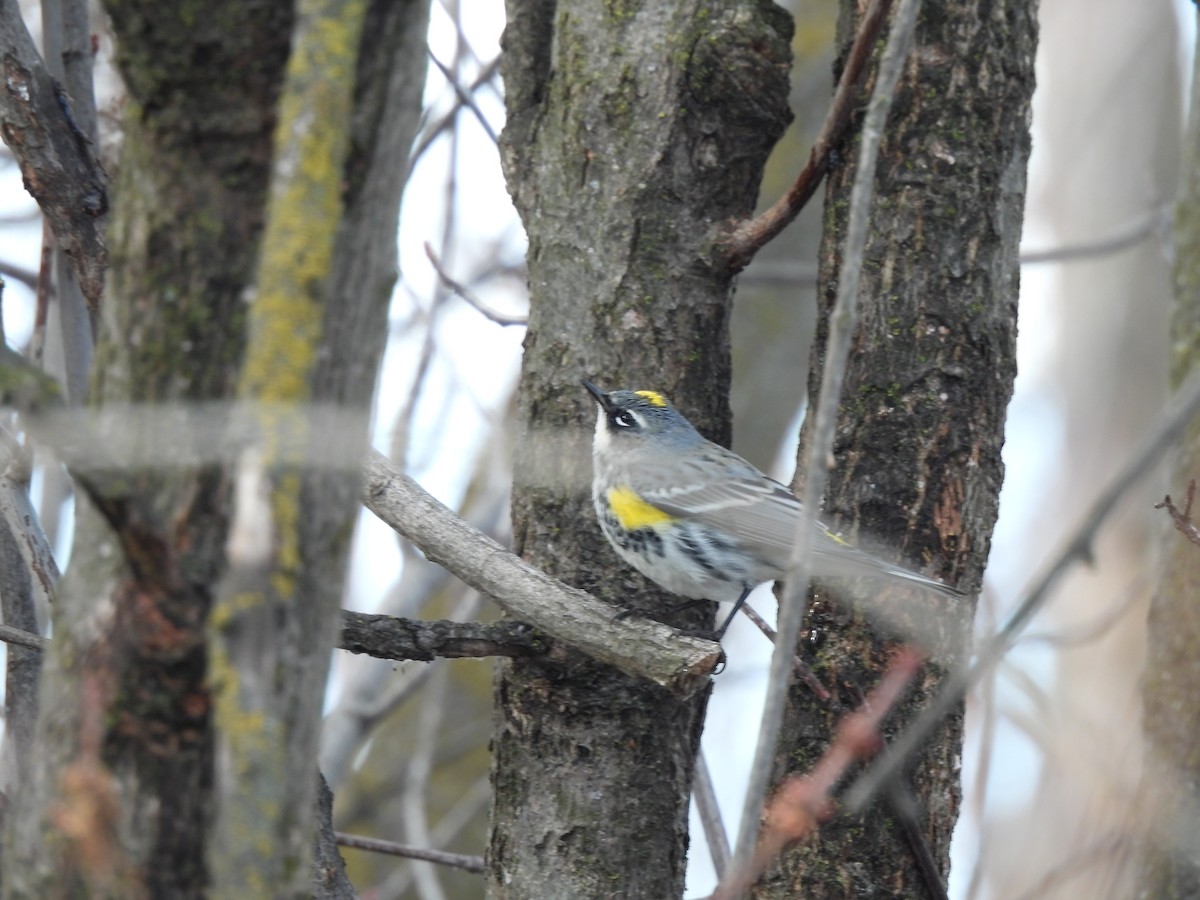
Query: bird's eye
x=624, y=420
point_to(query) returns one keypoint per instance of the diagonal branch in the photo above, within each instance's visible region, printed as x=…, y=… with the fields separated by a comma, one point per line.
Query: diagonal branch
x=637, y=647
x=58, y=163
x=750, y=237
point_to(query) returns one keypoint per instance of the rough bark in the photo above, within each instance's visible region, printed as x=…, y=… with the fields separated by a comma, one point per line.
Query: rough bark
x=59, y=165
x=121, y=801
x=633, y=132
x=125, y=705
x=917, y=449
x=1171, y=712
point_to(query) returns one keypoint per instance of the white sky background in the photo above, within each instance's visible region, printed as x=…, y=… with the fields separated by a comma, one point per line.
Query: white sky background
x=476, y=364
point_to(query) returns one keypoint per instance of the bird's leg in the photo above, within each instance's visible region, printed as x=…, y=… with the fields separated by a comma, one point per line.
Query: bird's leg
x=741, y=601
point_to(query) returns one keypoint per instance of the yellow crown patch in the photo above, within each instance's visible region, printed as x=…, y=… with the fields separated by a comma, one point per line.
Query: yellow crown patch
x=654, y=398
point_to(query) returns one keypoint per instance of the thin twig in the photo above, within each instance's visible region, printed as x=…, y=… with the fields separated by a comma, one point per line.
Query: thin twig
x=466, y=98
x=841, y=329
x=417, y=780
x=1096, y=629
x=460, y=291
x=750, y=237
x=803, y=672
x=432, y=132
x=1183, y=517
x=391, y=848
x=1153, y=222
x=903, y=805
x=25, y=276
x=1185, y=408
x=709, y=812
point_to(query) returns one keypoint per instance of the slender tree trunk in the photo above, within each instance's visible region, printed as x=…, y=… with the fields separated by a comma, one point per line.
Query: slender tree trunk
x=1171, y=716
x=917, y=450
x=634, y=132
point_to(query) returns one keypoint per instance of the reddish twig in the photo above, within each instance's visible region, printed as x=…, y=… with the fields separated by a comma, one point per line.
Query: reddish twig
x=1183, y=518
x=802, y=802
x=750, y=237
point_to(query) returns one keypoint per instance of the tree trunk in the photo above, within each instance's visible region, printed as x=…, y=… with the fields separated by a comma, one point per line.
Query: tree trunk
x=122, y=799
x=922, y=416
x=633, y=134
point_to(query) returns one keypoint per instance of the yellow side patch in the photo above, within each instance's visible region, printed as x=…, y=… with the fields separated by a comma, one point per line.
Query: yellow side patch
x=654, y=398
x=632, y=511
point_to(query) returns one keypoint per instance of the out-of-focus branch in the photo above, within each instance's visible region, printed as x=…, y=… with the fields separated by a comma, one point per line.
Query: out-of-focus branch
x=460, y=290
x=432, y=132
x=465, y=98
x=750, y=237
x=1156, y=221
x=374, y=845
x=637, y=647
x=58, y=163
x=27, y=277
x=67, y=41
x=705, y=796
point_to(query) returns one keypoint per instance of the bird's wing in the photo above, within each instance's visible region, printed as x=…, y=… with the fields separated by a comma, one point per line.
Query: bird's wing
x=764, y=515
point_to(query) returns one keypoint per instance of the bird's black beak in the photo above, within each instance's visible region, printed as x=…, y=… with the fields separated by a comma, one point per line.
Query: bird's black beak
x=601, y=396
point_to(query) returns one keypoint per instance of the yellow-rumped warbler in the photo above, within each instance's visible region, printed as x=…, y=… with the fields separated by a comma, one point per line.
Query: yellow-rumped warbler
x=697, y=519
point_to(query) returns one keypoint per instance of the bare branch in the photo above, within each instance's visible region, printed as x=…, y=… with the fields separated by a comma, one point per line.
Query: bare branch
x=27, y=277
x=22, y=638
x=1157, y=220
x=434, y=131
x=803, y=672
x=466, y=98
x=460, y=291
x=58, y=162
x=639, y=647
x=389, y=637
x=750, y=237
x=715, y=834
x=374, y=845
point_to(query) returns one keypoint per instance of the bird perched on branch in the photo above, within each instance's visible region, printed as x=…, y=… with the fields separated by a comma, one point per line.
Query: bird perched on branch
x=697, y=519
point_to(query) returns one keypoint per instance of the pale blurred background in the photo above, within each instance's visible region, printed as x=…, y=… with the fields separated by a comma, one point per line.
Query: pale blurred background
x=1052, y=760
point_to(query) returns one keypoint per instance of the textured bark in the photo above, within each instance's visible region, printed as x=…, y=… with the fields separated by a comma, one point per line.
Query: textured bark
x=59, y=166
x=1171, y=712
x=121, y=800
x=125, y=719
x=921, y=424
x=634, y=131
